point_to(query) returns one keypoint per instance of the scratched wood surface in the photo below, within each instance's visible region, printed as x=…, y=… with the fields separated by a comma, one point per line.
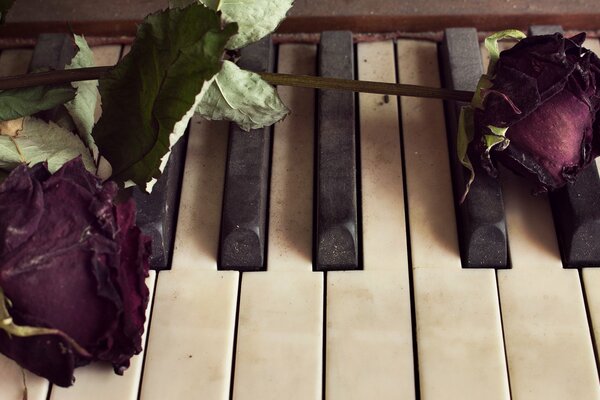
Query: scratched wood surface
x=316, y=16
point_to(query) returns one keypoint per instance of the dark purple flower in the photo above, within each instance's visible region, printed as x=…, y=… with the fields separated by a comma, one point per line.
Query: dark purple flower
x=71, y=260
x=545, y=91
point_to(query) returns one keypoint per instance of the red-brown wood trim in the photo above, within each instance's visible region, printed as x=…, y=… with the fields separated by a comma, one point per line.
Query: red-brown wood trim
x=370, y=23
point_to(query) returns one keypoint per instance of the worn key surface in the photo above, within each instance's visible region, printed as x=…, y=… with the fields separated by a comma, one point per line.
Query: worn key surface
x=244, y=221
x=279, y=336
x=369, y=342
x=576, y=207
x=458, y=327
x=336, y=243
x=480, y=218
x=190, y=342
x=157, y=211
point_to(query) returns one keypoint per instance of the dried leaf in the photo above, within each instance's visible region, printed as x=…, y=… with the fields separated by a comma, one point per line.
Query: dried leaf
x=243, y=97
x=11, y=128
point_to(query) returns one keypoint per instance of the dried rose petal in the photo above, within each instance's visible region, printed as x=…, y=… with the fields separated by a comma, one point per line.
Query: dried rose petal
x=545, y=91
x=69, y=262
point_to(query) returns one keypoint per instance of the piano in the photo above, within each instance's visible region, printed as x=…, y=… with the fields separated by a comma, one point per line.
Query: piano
x=348, y=276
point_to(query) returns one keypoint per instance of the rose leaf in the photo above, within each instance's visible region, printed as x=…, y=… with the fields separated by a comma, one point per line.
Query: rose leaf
x=11, y=128
x=497, y=138
x=256, y=19
x=41, y=141
x=82, y=107
x=466, y=132
x=17, y=103
x=484, y=84
x=491, y=44
x=243, y=97
x=150, y=95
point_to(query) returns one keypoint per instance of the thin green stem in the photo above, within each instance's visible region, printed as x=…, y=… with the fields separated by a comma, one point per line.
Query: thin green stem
x=314, y=82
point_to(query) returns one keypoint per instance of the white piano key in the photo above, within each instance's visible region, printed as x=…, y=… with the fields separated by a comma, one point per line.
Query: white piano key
x=290, y=218
x=15, y=62
x=279, y=342
x=548, y=344
x=99, y=381
x=190, y=343
x=426, y=152
x=197, y=237
x=384, y=222
x=459, y=334
x=191, y=336
x=591, y=285
x=279, y=337
x=11, y=376
x=369, y=335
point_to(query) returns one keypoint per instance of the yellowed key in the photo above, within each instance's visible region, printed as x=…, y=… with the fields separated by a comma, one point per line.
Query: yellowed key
x=459, y=334
x=369, y=336
x=279, y=339
x=190, y=343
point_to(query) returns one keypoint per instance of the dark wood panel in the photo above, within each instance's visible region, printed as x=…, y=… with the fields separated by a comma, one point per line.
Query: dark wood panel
x=77, y=10
x=243, y=242
x=480, y=218
x=312, y=16
x=336, y=219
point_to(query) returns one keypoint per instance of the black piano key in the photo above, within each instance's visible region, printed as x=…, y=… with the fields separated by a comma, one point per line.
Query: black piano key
x=157, y=211
x=576, y=207
x=244, y=220
x=480, y=218
x=53, y=51
x=336, y=246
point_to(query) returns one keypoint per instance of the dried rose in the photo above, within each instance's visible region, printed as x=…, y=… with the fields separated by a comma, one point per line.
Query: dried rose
x=72, y=267
x=538, y=116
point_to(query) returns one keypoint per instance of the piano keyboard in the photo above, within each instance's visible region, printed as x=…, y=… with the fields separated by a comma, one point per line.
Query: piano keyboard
x=410, y=323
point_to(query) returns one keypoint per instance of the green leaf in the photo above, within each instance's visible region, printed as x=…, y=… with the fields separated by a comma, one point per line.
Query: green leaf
x=5, y=5
x=17, y=103
x=243, y=97
x=491, y=44
x=466, y=132
x=82, y=107
x=497, y=138
x=42, y=141
x=256, y=18
x=8, y=325
x=483, y=84
x=149, y=97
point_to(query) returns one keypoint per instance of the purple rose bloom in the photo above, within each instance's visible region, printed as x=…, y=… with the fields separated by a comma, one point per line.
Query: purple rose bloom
x=71, y=260
x=545, y=91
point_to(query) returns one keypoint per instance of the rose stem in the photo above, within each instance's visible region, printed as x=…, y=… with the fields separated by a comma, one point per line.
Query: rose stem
x=314, y=82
